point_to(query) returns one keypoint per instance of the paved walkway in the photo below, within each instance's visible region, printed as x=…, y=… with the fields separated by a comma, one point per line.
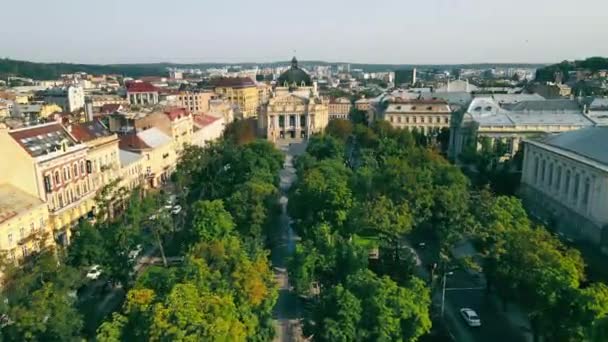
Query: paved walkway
x=287, y=312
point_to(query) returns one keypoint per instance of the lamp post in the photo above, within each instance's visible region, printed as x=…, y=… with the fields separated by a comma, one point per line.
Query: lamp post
x=445, y=274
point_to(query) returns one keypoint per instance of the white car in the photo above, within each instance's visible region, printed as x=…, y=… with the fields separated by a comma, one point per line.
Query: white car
x=94, y=272
x=471, y=317
x=135, y=253
x=176, y=210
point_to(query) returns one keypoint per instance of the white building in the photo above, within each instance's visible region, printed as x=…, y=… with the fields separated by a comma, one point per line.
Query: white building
x=70, y=99
x=565, y=182
x=207, y=128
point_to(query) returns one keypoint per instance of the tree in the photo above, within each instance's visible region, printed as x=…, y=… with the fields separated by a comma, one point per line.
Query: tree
x=251, y=205
x=325, y=147
x=211, y=221
x=86, y=247
x=336, y=317
x=340, y=129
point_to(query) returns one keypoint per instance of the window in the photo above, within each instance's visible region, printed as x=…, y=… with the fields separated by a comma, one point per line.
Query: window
x=65, y=174
x=10, y=239
x=391, y=118
x=60, y=198
x=577, y=179
x=558, y=181
x=75, y=170
x=586, y=191
x=567, y=185
x=78, y=190
x=57, y=178
x=82, y=169
x=542, y=170
x=536, y=170
x=399, y=119
x=47, y=184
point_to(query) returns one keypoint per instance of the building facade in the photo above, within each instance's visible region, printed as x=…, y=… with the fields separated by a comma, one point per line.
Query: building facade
x=70, y=99
x=240, y=91
x=426, y=116
x=195, y=101
x=565, y=182
x=142, y=93
x=339, y=108
x=207, y=128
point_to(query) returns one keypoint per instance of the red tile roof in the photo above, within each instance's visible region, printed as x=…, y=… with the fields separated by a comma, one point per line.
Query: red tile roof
x=132, y=142
x=42, y=139
x=88, y=131
x=176, y=113
x=205, y=120
x=141, y=87
x=233, y=82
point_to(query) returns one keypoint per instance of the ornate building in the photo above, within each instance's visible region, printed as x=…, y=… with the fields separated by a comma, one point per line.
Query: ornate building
x=295, y=110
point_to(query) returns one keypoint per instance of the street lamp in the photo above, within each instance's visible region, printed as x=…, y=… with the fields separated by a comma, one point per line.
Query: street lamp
x=443, y=291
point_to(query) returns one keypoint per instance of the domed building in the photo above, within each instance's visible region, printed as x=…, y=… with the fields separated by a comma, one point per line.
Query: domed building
x=295, y=111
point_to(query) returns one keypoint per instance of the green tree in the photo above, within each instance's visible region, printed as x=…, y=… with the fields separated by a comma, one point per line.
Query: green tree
x=340, y=129
x=336, y=317
x=251, y=206
x=87, y=247
x=211, y=221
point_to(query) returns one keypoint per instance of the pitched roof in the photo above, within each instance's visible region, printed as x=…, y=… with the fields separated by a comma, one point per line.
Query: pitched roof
x=141, y=87
x=110, y=107
x=154, y=137
x=128, y=157
x=587, y=142
x=204, y=120
x=233, y=82
x=91, y=130
x=14, y=201
x=176, y=113
x=42, y=139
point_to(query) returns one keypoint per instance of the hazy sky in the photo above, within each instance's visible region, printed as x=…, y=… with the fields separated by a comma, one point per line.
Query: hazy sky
x=373, y=31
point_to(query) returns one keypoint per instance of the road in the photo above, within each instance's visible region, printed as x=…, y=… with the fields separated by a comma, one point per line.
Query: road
x=462, y=290
x=288, y=310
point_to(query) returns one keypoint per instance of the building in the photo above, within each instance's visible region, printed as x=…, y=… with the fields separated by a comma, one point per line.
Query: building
x=363, y=104
x=102, y=153
x=158, y=153
x=101, y=101
x=131, y=169
x=296, y=110
x=70, y=99
x=597, y=111
x=565, y=182
x=339, y=108
x=24, y=227
x=240, y=91
x=195, y=101
x=457, y=86
x=485, y=118
x=38, y=111
x=427, y=116
x=142, y=93
x=405, y=77
x=551, y=90
x=207, y=128
x=181, y=127
x=47, y=162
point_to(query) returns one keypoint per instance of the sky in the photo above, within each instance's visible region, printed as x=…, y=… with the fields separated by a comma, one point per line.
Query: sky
x=364, y=31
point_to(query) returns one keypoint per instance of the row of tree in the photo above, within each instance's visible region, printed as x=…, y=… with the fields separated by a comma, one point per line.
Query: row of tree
x=224, y=289
x=358, y=184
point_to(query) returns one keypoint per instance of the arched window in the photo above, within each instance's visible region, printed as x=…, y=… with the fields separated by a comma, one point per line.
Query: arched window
x=542, y=170
x=586, y=191
x=567, y=185
x=75, y=170
x=577, y=179
x=536, y=169
x=558, y=181
x=57, y=178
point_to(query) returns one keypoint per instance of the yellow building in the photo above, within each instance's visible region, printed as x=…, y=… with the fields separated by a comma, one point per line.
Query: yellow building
x=181, y=127
x=38, y=110
x=195, y=101
x=241, y=91
x=131, y=170
x=48, y=163
x=157, y=150
x=102, y=152
x=23, y=223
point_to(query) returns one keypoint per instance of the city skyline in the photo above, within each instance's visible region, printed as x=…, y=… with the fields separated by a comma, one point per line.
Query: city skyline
x=389, y=32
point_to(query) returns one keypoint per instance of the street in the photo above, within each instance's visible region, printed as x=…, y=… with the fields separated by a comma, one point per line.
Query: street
x=463, y=290
x=288, y=310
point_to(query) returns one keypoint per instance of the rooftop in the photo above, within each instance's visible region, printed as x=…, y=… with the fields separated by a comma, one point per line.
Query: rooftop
x=42, y=139
x=91, y=130
x=141, y=87
x=128, y=157
x=205, y=120
x=233, y=82
x=588, y=142
x=14, y=202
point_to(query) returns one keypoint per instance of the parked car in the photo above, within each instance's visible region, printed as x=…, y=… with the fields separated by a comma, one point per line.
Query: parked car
x=94, y=272
x=135, y=252
x=471, y=317
x=176, y=209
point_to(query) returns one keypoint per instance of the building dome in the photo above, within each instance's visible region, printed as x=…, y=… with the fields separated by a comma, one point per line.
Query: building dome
x=294, y=77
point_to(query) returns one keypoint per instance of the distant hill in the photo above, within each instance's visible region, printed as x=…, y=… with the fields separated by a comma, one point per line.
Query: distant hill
x=592, y=64
x=45, y=71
